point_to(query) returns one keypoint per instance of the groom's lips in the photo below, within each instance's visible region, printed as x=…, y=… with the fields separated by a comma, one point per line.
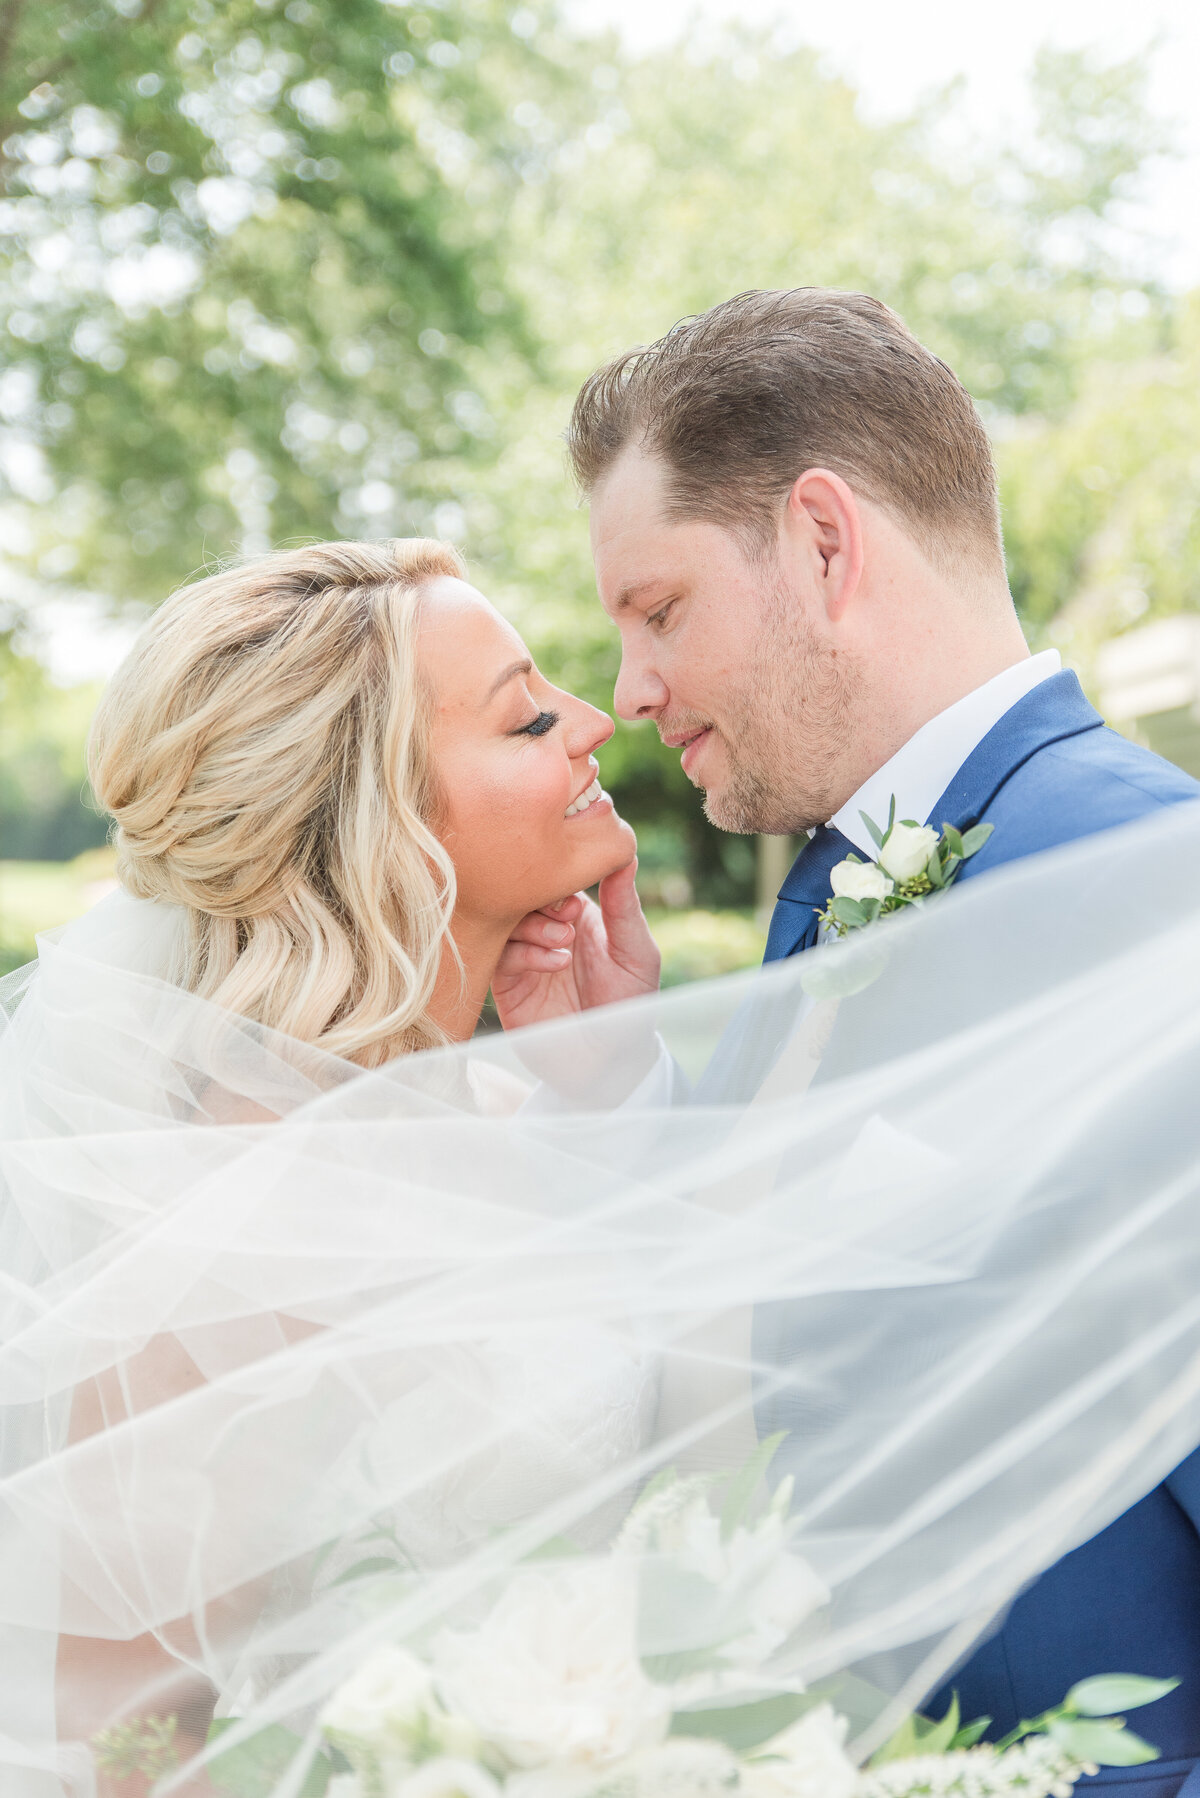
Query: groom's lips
x=692, y=748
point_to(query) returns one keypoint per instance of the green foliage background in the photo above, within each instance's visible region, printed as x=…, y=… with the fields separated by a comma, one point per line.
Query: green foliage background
x=280, y=269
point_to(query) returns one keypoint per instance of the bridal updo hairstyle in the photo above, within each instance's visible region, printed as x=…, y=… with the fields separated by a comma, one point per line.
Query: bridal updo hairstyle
x=264, y=750
x=739, y=401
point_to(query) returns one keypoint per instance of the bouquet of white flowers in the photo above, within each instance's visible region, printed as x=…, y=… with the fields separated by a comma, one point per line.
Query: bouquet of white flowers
x=658, y=1670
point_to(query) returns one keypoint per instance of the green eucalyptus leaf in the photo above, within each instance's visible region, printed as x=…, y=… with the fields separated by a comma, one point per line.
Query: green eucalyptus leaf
x=847, y=911
x=254, y=1768
x=659, y=1482
x=1107, y=1693
x=323, y=1553
x=902, y=1745
x=920, y=1735
x=1102, y=1740
x=970, y=1733
x=975, y=838
x=741, y=1489
x=873, y=830
x=891, y=819
x=554, y=1548
x=743, y=1726
x=363, y=1569
x=953, y=838
x=938, y=1739
x=933, y=868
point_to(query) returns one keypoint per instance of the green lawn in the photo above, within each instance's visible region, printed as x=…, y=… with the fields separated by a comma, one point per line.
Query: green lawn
x=697, y=945
x=38, y=895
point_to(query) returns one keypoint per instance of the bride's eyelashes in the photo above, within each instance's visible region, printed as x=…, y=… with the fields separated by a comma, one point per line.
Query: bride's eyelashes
x=537, y=727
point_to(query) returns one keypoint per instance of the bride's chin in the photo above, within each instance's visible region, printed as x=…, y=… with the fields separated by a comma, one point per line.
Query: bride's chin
x=617, y=850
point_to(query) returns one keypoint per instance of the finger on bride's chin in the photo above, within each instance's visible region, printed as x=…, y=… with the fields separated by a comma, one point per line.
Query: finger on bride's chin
x=625, y=875
x=547, y=961
x=521, y=957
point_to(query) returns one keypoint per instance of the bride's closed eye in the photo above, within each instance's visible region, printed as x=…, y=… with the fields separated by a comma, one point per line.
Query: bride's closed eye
x=537, y=727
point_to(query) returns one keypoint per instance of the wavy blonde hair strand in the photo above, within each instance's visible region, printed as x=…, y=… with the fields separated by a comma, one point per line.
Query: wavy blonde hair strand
x=264, y=751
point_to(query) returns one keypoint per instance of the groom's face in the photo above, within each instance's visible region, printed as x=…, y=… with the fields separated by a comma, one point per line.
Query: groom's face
x=725, y=651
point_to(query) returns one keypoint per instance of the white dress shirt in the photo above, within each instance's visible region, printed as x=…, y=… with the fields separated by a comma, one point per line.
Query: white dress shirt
x=919, y=773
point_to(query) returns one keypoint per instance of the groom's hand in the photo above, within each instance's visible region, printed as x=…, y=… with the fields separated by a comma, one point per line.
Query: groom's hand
x=576, y=955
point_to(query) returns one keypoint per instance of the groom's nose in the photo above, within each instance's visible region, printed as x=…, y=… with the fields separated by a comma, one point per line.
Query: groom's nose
x=640, y=692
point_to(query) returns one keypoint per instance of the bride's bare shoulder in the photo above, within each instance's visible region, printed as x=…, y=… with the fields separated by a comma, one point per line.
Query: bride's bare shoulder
x=219, y=1105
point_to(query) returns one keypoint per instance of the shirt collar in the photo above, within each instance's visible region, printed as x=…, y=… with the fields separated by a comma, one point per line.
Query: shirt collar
x=919, y=773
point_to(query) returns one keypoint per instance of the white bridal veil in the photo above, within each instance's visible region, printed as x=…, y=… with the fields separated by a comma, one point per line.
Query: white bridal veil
x=297, y=1360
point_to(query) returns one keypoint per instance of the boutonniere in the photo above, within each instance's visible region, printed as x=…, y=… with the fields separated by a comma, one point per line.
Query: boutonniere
x=913, y=861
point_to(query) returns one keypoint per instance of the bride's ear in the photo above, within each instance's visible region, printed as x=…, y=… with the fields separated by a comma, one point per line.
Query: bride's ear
x=824, y=518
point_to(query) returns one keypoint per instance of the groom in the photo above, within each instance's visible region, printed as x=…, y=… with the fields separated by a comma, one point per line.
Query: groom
x=796, y=531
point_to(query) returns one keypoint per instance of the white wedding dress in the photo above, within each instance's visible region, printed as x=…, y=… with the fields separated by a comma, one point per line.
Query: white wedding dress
x=431, y=1335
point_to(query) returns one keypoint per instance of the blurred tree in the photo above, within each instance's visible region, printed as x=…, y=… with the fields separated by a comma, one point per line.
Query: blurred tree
x=732, y=164
x=286, y=269
x=45, y=809
x=1103, y=504
x=245, y=247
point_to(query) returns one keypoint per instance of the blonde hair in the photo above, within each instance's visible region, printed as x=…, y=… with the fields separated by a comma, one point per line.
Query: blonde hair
x=264, y=750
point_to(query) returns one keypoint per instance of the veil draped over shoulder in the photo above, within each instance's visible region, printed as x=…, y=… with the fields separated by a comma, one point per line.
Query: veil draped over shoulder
x=299, y=1360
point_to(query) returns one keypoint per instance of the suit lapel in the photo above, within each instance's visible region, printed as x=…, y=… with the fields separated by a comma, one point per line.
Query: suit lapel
x=1052, y=711
x=1049, y=713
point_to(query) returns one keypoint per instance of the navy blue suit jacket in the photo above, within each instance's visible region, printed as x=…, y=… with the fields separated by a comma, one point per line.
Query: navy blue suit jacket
x=1128, y=1601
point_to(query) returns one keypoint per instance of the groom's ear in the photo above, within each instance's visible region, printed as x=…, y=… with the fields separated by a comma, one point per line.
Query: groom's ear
x=825, y=523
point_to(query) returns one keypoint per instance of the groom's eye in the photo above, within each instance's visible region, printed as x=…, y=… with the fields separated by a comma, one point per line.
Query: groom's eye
x=657, y=619
x=537, y=727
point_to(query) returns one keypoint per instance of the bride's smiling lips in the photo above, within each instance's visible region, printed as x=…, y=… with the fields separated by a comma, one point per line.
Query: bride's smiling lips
x=592, y=799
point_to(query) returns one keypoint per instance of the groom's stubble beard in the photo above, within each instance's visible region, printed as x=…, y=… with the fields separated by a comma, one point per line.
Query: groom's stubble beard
x=788, y=730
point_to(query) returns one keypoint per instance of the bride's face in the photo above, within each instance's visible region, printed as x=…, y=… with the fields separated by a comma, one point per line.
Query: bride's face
x=513, y=757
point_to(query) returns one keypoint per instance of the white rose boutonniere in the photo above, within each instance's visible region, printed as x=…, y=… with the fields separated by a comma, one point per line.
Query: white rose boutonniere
x=913, y=861
x=905, y=851
x=859, y=880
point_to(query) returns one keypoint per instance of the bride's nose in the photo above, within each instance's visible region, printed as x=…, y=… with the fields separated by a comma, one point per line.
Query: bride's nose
x=588, y=729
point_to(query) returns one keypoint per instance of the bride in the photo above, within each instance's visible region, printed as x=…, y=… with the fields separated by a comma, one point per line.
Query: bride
x=342, y=785
x=342, y=763
x=320, y=1314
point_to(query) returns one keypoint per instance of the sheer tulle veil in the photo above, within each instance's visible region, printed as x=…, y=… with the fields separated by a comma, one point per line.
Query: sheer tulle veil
x=924, y=1205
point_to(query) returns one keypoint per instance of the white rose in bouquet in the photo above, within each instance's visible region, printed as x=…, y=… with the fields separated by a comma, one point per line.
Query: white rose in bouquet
x=761, y=1591
x=806, y=1760
x=908, y=848
x=552, y=1675
x=776, y=1606
x=445, y=1778
x=683, y=1767
x=345, y=1785
x=389, y=1695
x=858, y=880
x=778, y=1590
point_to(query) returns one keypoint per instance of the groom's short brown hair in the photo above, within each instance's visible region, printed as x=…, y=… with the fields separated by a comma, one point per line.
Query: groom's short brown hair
x=741, y=400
